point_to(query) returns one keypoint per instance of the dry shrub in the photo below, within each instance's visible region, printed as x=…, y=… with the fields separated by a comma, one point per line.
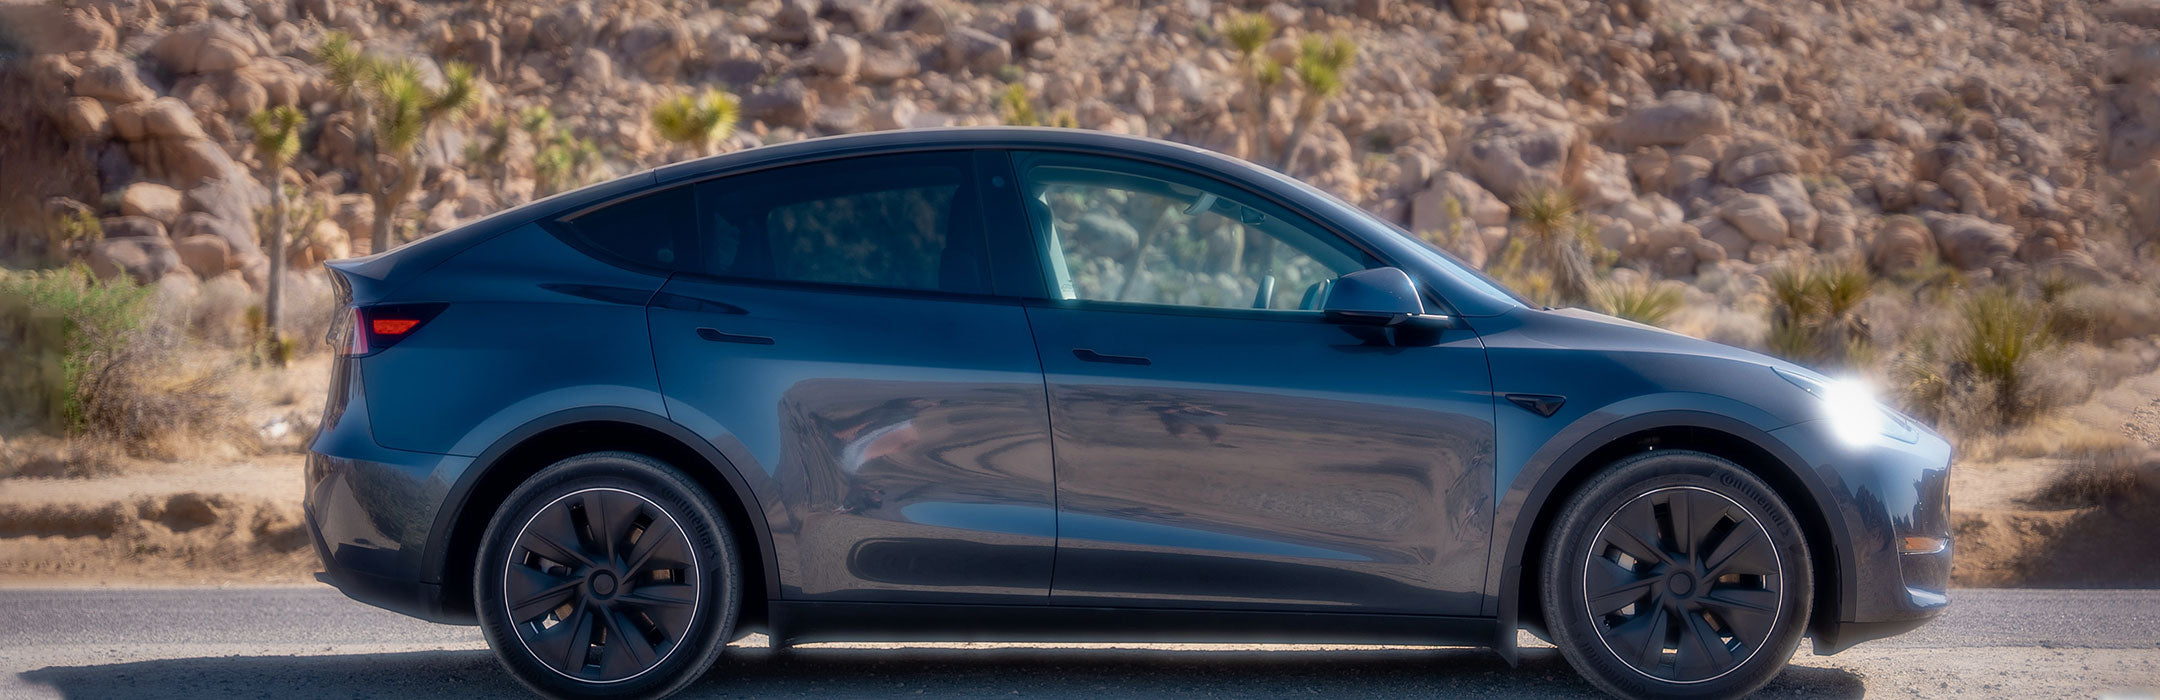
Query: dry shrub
x=219, y=313
x=111, y=366
x=310, y=306
x=2103, y=315
x=2111, y=477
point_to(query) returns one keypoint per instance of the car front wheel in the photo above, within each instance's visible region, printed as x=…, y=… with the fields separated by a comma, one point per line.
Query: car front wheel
x=607, y=574
x=1676, y=574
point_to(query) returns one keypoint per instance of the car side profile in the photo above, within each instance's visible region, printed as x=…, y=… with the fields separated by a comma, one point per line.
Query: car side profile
x=1044, y=384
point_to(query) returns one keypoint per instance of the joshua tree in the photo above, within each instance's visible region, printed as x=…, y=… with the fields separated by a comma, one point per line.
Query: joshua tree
x=1322, y=64
x=277, y=140
x=1248, y=33
x=701, y=121
x=397, y=109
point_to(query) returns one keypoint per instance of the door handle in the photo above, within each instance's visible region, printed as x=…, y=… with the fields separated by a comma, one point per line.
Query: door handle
x=1092, y=356
x=718, y=337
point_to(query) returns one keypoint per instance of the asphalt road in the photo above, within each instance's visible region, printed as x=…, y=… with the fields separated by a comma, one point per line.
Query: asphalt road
x=312, y=642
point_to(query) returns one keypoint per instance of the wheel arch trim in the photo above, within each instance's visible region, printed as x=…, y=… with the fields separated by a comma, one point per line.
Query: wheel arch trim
x=459, y=496
x=1533, y=494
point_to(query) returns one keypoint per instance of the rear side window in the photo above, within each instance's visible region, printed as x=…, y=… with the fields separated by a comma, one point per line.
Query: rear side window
x=657, y=230
x=909, y=221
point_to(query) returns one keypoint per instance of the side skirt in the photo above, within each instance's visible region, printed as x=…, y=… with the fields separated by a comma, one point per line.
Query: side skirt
x=795, y=622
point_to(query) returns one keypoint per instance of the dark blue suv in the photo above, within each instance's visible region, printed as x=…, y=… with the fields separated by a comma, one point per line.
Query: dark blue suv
x=1025, y=384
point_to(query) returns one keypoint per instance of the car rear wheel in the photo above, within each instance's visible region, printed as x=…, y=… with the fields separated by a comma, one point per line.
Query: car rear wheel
x=1676, y=574
x=607, y=574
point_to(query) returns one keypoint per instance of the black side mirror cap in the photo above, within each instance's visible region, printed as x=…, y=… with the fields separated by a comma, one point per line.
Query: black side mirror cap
x=1383, y=296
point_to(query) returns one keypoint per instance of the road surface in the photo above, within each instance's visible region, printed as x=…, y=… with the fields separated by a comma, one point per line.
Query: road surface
x=312, y=642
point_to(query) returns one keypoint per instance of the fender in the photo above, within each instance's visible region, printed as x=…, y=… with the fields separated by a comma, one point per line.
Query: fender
x=435, y=559
x=1530, y=497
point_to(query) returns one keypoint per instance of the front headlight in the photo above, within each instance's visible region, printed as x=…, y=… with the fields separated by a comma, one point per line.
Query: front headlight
x=1850, y=406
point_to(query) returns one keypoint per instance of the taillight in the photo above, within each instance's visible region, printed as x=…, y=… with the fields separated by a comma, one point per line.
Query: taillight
x=373, y=328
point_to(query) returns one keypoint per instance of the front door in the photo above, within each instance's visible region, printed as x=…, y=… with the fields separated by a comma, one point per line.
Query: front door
x=839, y=322
x=1218, y=443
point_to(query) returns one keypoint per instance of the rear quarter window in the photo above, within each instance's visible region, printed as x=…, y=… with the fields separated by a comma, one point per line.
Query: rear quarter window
x=656, y=230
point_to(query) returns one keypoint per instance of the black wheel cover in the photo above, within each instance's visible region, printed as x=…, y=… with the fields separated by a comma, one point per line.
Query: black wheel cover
x=601, y=585
x=1683, y=584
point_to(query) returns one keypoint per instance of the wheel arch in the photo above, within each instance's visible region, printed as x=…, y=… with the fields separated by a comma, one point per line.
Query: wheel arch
x=1565, y=470
x=522, y=452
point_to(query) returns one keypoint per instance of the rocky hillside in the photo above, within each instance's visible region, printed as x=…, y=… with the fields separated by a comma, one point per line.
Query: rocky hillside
x=1998, y=136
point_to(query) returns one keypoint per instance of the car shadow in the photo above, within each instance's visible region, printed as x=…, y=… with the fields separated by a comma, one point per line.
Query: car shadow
x=917, y=671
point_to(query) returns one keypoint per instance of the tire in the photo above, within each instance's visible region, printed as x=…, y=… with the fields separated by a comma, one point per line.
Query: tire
x=669, y=578
x=1741, y=582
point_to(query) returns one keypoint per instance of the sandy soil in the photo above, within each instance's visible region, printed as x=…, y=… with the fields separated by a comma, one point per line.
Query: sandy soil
x=178, y=524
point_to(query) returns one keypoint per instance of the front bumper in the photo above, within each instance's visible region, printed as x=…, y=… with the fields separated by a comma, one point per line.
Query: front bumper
x=372, y=513
x=1879, y=493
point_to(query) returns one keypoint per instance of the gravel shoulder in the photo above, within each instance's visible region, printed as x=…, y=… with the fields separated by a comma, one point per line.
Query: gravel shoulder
x=311, y=642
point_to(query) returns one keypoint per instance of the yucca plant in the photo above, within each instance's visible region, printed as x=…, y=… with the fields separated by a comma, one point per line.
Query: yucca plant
x=1323, y=66
x=1814, y=312
x=1557, y=241
x=277, y=141
x=2002, y=332
x=699, y=121
x=1639, y=301
x=397, y=110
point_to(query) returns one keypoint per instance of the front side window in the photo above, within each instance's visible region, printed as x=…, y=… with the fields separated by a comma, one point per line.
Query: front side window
x=1120, y=231
x=909, y=221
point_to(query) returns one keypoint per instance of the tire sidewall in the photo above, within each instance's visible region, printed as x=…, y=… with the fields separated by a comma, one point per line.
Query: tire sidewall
x=1587, y=511
x=691, y=508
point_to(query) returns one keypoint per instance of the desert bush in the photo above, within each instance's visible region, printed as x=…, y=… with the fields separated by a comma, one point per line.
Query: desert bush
x=2109, y=477
x=2002, y=333
x=94, y=360
x=1812, y=313
x=58, y=328
x=1638, y=300
x=2104, y=314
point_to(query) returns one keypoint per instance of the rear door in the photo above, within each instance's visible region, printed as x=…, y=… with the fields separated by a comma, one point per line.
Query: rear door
x=839, y=324
x=1219, y=443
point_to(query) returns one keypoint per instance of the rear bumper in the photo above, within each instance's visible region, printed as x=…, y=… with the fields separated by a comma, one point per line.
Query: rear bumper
x=1880, y=493
x=371, y=513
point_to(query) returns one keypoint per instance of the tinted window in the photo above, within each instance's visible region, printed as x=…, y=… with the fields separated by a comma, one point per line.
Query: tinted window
x=654, y=230
x=1129, y=232
x=903, y=221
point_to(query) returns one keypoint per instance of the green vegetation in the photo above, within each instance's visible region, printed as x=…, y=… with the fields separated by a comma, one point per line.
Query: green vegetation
x=1248, y=33
x=1813, y=313
x=1017, y=107
x=1323, y=64
x=699, y=121
x=1551, y=261
x=277, y=140
x=2002, y=332
x=66, y=328
x=396, y=108
x=1640, y=301
x=561, y=161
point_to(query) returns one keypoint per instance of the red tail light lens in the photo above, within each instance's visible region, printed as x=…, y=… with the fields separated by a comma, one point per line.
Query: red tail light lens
x=375, y=328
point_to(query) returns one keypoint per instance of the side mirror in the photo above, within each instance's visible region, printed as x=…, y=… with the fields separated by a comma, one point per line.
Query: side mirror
x=1378, y=297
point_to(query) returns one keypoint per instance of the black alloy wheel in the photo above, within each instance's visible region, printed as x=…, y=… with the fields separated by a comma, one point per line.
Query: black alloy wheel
x=607, y=575
x=1676, y=573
